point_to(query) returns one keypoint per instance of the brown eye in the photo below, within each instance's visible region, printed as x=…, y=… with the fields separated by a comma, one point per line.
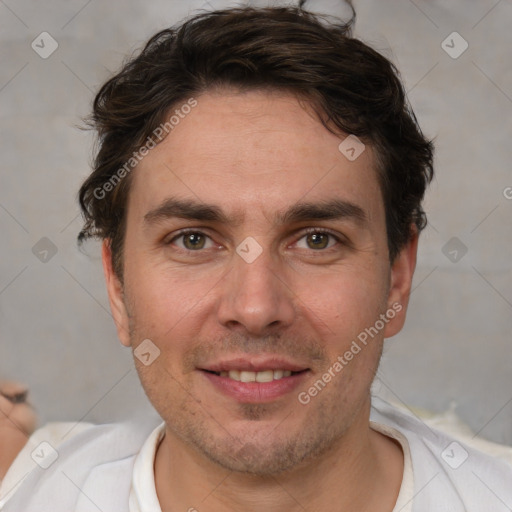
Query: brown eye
x=191, y=241
x=317, y=240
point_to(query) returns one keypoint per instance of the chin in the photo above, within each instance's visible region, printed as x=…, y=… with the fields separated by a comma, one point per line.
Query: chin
x=255, y=459
x=262, y=448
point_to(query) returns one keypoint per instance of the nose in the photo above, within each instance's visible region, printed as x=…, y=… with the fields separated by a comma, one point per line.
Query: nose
x=256, y=299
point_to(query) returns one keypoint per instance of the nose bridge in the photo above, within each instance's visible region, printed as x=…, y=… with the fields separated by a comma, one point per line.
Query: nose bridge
x=253, y=294
x=255, y=267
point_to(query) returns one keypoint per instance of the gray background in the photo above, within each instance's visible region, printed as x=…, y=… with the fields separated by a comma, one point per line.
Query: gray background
x=56, y=331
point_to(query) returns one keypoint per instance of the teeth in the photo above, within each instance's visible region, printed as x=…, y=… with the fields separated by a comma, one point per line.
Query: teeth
x=247, y=376
x=264, y=376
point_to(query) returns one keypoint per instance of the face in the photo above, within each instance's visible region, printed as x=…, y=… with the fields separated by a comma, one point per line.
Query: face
x=255, y=256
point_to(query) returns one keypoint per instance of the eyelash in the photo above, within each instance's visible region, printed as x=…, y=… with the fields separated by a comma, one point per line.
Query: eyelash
x=307, y=231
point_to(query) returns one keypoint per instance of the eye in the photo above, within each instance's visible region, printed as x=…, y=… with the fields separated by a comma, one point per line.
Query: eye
x=318, y=240
x=191, y=241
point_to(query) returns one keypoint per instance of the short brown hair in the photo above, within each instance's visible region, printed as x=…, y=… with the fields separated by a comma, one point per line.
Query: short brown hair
x=352, y=88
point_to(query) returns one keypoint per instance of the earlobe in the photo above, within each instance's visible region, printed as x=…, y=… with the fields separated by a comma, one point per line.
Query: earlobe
x=402, y=272
x=115, y=295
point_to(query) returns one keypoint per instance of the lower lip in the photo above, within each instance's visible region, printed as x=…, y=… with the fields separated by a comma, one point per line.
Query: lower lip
x=256, y=392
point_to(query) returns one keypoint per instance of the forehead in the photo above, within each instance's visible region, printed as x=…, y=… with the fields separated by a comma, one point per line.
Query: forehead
x=253, y=152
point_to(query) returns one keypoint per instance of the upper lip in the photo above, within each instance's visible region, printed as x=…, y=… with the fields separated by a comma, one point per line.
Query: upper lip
x=254, y=364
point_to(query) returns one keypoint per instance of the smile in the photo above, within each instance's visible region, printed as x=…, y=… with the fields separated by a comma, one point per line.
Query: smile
x=262, y=376
x=256, y=387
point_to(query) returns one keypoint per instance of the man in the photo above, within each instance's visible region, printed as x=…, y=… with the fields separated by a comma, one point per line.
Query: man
x=258, y=190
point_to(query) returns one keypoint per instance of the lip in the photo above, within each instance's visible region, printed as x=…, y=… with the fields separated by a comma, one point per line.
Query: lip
x=255, y=364
x=256, y=392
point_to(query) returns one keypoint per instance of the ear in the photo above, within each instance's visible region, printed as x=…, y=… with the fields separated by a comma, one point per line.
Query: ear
x=115, y=295
x=402, y=272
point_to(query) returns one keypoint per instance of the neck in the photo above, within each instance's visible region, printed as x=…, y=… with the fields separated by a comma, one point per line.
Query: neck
x=361, y=471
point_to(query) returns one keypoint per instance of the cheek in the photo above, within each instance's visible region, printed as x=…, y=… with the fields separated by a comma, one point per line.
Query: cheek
x=171, y=311
x=345, y=302
x=160, y=293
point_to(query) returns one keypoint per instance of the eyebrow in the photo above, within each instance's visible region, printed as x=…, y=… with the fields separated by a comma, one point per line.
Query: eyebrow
x=334, y=209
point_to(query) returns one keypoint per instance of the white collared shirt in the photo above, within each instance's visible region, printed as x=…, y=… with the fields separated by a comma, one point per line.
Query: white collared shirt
x=143, y=496
x=111, y=468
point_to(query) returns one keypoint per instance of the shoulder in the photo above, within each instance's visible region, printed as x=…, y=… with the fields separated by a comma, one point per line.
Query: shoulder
x=60, y=460
x=449, y=472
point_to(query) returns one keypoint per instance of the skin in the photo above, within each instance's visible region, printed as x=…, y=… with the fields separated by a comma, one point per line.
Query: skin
x=17, y=422
x=253, y=154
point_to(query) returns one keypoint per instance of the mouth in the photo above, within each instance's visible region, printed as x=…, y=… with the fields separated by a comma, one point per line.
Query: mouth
x=260, y=376
x=255, y=381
